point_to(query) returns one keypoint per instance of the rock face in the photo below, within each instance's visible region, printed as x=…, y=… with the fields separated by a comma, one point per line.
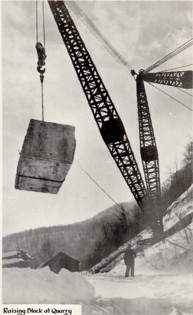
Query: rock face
x=46, y=157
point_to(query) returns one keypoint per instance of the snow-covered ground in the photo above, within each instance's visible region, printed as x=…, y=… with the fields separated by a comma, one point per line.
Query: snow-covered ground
x=163, y=282
x=156, y=288
x=41, y=286
x=147, y=294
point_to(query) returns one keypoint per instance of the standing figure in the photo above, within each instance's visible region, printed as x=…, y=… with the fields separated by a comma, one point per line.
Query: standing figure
x=129, y=259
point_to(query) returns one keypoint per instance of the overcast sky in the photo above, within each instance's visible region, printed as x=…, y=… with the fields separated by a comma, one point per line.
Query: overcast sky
x=143, y=32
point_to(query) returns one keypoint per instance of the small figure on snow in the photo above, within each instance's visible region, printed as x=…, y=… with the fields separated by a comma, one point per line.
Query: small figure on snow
x=129, y=259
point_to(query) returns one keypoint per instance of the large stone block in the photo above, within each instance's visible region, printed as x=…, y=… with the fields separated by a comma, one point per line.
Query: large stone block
x=46, y=156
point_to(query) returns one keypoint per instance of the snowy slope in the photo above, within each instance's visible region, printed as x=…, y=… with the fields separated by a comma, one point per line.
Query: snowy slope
x=164, y=272
x=179, y=210
x=175, y=253
x=163, y=284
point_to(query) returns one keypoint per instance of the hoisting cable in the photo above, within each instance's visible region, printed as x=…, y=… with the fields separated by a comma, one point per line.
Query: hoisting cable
x=42, y=95
x=94, y=181
x=98, y=185
x=36, y=21
x=41, y=53
x=180, y=89
x=170, y=96
x=191, y=64
x=99, y=36
x=170, y=55
x=44, y=30
x=122, y=209
x=187, y=249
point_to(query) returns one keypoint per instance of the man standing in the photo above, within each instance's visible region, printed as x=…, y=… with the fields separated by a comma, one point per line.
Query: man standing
x=129, y=259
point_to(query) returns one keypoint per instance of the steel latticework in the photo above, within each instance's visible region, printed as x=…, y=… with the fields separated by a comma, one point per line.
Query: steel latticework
x=149, y=155
x=148, y=148
x=103, y=109
x=180, y=79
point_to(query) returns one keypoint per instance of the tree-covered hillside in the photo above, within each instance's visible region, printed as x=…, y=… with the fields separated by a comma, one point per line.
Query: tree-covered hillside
x=91, y=240
x=180, y=179
x=88, y=241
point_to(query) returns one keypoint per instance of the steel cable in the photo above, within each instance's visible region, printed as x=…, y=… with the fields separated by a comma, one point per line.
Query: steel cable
x=37, y=42
x=170, y=55
x=170, y=96
x=191, y=64
x=98, y=35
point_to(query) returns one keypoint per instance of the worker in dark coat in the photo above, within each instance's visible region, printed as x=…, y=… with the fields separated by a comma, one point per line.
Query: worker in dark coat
x=129, y=259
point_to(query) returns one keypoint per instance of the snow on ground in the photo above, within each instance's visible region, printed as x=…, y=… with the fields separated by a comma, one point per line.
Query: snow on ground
x=147, y=293
x=164, y=272
x=179, y=208
x=7, y=260
x=41, y=286
x=12, y=261
x=163, y=282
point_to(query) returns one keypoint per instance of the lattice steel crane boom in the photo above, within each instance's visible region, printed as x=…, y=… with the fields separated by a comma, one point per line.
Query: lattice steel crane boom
x=148, y=147
x=179, y=79
x=103, y=109
x=149, y=156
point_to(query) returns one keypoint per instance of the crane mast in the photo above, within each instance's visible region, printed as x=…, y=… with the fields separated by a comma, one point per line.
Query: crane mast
x=103, y=109
x=148, y=148
x=149, y=156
